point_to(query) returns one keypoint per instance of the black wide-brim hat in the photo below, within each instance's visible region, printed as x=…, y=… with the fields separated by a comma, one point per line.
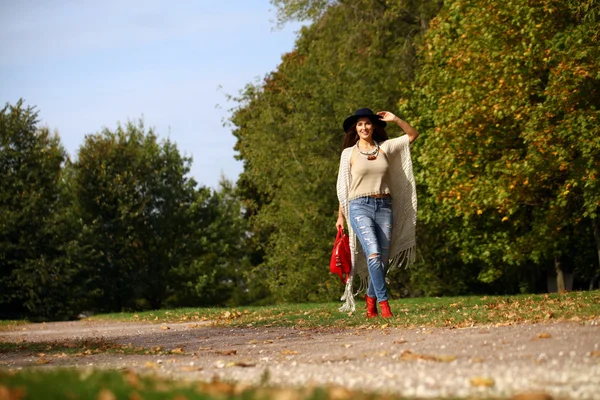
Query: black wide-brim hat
x=363, y=113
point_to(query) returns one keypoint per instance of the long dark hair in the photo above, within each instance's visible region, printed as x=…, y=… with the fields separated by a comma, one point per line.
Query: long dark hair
x=379, y=135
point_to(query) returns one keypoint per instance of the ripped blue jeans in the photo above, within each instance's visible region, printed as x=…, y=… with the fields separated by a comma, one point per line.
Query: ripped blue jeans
x=371, y=219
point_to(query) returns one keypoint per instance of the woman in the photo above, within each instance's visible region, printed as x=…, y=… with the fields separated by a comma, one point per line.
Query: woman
x=377, y=196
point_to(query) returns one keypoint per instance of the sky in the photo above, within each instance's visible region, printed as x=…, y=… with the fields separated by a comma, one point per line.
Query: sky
x=90, y=64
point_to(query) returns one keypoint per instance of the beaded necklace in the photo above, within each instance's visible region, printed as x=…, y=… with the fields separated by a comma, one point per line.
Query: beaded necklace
x=371, y=154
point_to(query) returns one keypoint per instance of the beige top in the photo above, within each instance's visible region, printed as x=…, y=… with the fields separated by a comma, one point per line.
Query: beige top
x=369, y=177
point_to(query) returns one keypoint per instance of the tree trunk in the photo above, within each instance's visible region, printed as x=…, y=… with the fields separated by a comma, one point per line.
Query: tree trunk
x=596, y=228
x=560, y=277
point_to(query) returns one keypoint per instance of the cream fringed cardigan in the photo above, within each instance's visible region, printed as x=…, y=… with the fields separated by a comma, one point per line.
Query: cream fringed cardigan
x=404, y=207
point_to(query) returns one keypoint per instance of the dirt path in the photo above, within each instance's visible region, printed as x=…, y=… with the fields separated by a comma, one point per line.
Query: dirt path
x=560, y=359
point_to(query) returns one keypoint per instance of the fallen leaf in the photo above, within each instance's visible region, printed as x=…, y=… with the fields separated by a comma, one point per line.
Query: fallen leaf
x=253, y=341
x=227, y=352
x=340, y=393
x=446, y=358
x=132, y=379
x=151, y=365
x=544, y=335
x=216, y=388
x=164, y=327
x=482, y=381
x=204, y=348
x=106, y=394
x=190, y=368
x=347, y=345
x=177, y=350
x=268, y=341
x=532, y=396
x=242, y=364
x=288, y=352
x=401, y=341
x=42, y=360
x=11, y=394
x=408, y=355
x=595, y=353
x=477, y=360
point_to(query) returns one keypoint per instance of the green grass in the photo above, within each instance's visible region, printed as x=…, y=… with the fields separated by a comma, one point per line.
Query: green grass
x=429, y=312
x=11, y=324
x=86, y=384
x=76, y=348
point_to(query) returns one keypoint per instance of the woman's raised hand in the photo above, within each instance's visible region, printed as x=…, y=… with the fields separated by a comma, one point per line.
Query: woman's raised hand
x=387, y=116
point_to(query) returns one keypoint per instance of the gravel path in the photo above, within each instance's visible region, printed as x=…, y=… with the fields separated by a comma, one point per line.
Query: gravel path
x=558, y=361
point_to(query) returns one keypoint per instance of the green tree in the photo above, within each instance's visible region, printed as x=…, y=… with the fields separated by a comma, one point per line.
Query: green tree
x=355, y=54
x=216, y=273
x=133, y=195
x=39, y=275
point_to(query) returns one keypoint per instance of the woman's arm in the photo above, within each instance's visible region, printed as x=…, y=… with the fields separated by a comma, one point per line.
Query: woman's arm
x=405, y=126
x=340, y=219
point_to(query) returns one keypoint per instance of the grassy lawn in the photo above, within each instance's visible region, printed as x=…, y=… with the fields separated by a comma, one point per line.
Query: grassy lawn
x=76, y=348
x=431, y=312
x=127, y=385
x=11, y=324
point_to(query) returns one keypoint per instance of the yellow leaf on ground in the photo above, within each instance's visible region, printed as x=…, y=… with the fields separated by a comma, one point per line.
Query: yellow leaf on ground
x=408, y=355
x=151, y=365
x=132, y=379
x=11, y=394
x=190, y=368
x=42, y=360
x=106, y=394
x=482, y=381
x=227, y=352
x=532, y=396
x=177, y=350
x=242, y=364
x=287, y=352
x=544, y=335
x=164, y=327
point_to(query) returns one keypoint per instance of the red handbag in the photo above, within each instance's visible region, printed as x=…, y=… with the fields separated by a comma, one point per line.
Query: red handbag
x=341, y=261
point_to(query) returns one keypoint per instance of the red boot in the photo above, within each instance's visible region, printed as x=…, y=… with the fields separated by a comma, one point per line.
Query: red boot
x=371, y=307
x=385, y=309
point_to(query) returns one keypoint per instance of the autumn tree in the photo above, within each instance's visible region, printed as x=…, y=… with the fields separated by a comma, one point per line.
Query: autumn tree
x=509, y=101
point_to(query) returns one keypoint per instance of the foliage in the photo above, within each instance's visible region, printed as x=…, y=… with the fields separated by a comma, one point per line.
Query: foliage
x=509, y=91
x=38, y=275
x=216, y=272
x=289, y=135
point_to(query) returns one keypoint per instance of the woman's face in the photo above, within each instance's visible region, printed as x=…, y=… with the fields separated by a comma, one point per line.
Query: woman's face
x=364, y=128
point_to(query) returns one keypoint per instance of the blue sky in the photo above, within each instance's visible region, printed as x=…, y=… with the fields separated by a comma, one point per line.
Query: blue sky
x=90, y=64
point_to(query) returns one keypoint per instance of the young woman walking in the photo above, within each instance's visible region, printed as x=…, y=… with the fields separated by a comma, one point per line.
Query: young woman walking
x=377, y=196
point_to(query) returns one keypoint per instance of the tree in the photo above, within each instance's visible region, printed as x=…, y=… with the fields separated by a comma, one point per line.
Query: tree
x=289, y=132
x=38, y=273
x=509, y=95
x=133, y=196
